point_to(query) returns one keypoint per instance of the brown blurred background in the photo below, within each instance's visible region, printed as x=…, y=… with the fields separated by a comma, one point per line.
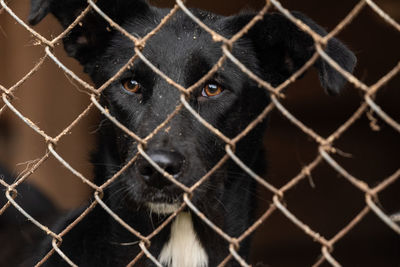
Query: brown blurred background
x=326, y=201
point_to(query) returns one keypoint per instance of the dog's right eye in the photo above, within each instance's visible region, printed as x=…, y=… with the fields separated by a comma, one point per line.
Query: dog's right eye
x=211, y=90
x=131, y=85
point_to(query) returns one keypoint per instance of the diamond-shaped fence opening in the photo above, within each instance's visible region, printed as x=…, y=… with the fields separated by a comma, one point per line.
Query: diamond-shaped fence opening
x=322, y=155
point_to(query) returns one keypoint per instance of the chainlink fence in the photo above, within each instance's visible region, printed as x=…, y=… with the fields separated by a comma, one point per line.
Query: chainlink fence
x=326, y=145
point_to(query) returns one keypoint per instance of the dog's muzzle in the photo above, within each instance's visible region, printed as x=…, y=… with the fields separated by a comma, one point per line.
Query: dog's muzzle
x=164, y=194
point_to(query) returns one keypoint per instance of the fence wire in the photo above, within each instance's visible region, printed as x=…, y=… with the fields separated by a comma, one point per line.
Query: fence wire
x=326, y=146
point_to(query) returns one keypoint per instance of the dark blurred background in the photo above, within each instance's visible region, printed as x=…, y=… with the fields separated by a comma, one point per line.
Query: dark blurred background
x=326, y=201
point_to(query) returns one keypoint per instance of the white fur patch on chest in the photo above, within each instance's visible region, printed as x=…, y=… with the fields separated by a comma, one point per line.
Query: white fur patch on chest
x=183, y=248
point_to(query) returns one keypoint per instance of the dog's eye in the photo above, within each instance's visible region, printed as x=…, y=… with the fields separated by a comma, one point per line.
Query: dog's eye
x=131, y=86
x=211, y=89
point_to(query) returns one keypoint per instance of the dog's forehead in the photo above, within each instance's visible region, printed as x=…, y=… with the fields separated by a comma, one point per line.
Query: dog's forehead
x=178, y=37
x=179, y=48
x=177, y=45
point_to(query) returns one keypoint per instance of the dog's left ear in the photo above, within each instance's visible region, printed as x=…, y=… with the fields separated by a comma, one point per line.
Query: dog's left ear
x=282, y=48
x=87, y=40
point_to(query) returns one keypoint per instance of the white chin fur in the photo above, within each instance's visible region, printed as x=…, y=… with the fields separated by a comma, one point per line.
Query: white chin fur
x=162, y=208
x=183, y=248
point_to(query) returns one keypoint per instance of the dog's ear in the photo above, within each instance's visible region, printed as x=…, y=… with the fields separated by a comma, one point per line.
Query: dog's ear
x=283, y=48
x=90, y=37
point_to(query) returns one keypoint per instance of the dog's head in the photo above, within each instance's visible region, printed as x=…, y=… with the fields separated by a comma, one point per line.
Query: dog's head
x=140, y=99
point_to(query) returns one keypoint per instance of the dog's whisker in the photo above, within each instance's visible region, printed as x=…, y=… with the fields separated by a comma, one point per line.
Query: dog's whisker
x=122, y=193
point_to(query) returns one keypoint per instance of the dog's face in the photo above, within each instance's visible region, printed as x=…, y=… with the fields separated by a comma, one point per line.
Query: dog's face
x=141, y=100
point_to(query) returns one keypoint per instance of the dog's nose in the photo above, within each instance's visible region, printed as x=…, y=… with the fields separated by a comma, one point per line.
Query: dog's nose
x=171, y=162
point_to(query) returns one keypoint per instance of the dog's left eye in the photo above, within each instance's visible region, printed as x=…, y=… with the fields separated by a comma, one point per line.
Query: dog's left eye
x=211, y=89
x=131, y=85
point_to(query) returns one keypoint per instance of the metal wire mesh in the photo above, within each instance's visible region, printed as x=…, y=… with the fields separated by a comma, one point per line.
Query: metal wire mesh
x=326, y=144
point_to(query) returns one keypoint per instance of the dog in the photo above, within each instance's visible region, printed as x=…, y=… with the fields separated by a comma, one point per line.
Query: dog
x=273, y=49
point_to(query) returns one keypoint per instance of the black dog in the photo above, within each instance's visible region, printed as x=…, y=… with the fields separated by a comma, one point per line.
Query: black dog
x=273, y=49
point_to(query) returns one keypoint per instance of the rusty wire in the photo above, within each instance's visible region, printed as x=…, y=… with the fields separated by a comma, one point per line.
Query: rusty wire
x=325, y=151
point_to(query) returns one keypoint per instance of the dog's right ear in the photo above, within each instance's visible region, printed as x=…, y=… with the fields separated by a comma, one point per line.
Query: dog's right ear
x=90, y=37
x=282, y=48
